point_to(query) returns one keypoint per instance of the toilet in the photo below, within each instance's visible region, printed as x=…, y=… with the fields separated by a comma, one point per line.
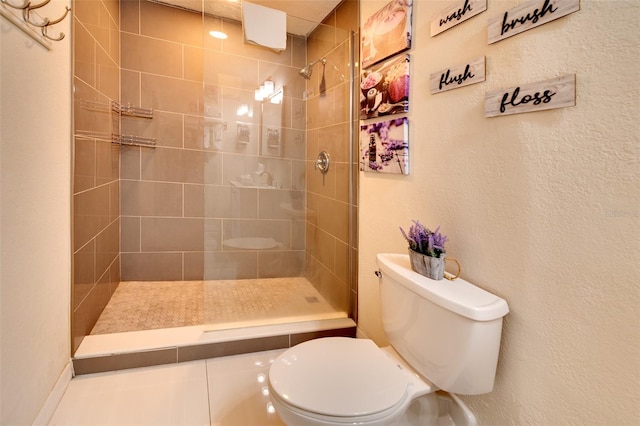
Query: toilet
x=444, y=336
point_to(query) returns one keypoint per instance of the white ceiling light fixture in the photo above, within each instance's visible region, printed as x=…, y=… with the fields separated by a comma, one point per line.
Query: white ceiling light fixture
x=218, y=34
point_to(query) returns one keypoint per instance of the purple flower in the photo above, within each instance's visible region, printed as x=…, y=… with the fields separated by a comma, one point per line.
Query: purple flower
x=424, y=241
x=386, y=157
x=374, y=166
x=384, y=133
x=394, y=144
x=399, y=121
x=438, y=240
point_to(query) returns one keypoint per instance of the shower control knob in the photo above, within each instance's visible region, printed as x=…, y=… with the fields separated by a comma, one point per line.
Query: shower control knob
x=322, y=162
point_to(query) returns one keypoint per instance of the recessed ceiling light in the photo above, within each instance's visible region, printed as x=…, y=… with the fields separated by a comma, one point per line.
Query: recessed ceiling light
x=218, y=34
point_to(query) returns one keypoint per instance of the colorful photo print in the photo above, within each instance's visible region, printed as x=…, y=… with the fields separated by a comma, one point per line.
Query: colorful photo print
x=387, y=32
x=384, y=146
x=384, y=90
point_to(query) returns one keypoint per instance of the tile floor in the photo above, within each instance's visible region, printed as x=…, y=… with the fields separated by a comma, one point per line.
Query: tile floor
x=221, y=391
x=227, y=391
x=154, y=305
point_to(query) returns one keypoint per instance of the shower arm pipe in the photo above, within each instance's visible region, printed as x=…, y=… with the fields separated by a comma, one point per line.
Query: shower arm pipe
x=308, y=69
x=323, y=60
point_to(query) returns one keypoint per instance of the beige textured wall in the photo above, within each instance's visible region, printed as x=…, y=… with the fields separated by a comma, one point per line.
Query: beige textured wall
x=35, y=260
x=542, y=209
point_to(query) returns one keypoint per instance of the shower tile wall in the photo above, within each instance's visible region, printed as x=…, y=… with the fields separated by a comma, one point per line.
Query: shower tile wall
x=178, y=203
x=328, y=125
x=96, y=265
x=167, y=216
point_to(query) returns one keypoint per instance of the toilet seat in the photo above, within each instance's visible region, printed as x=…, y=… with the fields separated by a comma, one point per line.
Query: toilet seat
x=342, y=380
x=313, y=418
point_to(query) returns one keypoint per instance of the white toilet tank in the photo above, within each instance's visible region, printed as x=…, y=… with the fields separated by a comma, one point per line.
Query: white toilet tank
x=449, y=331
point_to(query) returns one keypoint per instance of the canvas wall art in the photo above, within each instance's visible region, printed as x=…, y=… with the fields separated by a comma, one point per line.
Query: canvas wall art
x=384, y=89
x=384, y=146
x=386, y=32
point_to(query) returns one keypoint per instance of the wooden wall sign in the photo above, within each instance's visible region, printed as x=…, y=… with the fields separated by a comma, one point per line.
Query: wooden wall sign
x=527, y=16
x=453, y=78
x=457, y=14
x=559, y=92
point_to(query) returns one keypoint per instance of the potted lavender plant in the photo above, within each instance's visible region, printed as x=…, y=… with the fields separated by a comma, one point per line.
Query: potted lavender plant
x=427, y=252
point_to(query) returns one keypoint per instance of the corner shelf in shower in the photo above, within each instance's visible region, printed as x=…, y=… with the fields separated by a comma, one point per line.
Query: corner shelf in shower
x=298, y=213
x=129, y=110
x=132, y=140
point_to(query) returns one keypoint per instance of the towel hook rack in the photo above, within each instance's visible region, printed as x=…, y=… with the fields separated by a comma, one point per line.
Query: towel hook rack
x=28, y=22
x=27, y=10
x=22, y=6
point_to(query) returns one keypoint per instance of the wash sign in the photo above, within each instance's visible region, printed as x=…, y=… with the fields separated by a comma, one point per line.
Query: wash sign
x=457, y=14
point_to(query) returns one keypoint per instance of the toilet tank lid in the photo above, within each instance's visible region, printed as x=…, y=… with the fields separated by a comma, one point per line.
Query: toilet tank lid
x=457, y=296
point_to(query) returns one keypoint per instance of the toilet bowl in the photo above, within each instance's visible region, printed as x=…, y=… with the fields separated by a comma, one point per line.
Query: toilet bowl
x=340, y=381
x=444, y=335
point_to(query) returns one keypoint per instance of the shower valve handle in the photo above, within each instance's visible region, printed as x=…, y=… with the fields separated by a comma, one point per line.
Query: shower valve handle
x=322, y=162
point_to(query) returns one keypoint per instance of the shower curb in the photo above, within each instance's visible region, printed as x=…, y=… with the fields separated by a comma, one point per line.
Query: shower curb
x=191, y=352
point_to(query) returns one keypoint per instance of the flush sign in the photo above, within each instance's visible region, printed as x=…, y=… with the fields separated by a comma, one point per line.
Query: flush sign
x=550, y=94
x=455, y=77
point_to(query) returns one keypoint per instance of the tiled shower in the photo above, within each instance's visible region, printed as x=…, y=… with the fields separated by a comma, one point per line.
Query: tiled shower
x=215, y=199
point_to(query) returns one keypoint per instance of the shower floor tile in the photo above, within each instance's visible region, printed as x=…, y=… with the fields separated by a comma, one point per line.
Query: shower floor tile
x=137, y=305
x=261, y=299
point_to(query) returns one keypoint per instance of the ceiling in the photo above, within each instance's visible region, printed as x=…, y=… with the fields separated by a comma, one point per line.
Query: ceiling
x=302, y=15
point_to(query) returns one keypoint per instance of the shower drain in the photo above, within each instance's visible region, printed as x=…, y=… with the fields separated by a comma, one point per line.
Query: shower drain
x=312, y=299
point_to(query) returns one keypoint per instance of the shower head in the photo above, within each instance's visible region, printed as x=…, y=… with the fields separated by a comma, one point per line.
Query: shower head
x=308, y=69
x=306, y=72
